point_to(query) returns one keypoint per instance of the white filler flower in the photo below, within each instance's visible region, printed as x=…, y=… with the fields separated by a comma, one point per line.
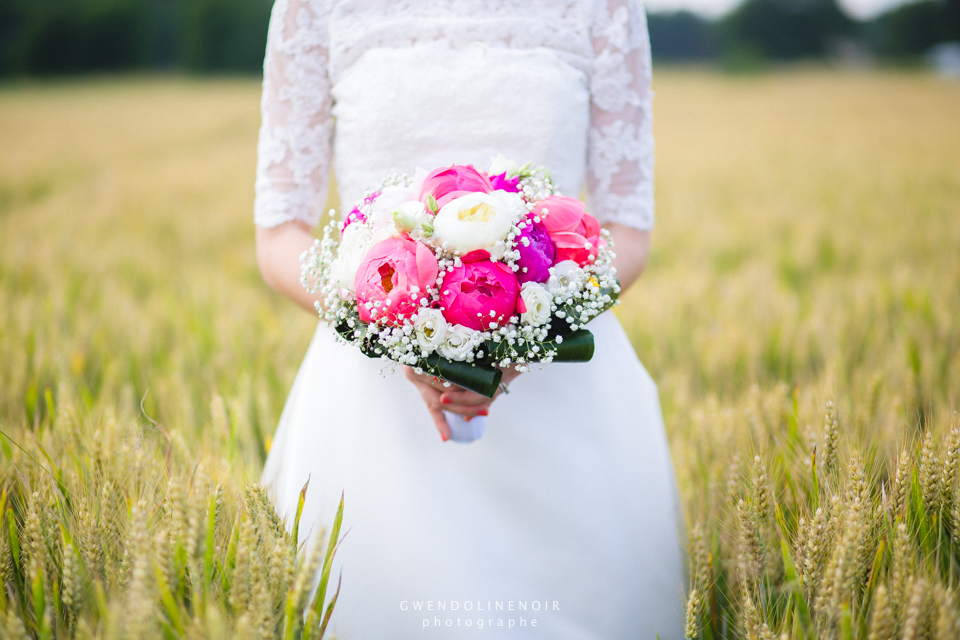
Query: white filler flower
x=459, y=343
x=430, y=329
x=478, y=221
x=537, y=301
x=562, y=275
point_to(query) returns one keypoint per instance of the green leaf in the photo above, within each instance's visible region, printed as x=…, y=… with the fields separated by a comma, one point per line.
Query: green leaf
x=577, y=347
x=7, y=451
x=296, y=518
x=208, y=547
x=846, y=622
x=333, y=602
x=48, y=399
x=317, y=606
x=796, y=587
x=39, y=592
x=14, y=540
x=169, y=604
x=230, y=561
x=479, y=378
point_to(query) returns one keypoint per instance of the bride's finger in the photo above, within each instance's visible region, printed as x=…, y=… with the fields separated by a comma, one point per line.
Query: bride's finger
x=440, y=421
x=430, y=380
x=462, y=396
x=468, y=410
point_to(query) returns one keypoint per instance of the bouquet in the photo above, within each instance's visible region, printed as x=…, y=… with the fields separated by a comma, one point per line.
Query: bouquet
x=459, y=273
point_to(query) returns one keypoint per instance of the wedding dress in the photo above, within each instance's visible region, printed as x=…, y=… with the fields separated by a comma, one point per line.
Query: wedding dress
x=563, y=520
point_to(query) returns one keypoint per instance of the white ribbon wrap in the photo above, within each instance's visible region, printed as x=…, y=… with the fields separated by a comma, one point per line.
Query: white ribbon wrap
x=463, y=431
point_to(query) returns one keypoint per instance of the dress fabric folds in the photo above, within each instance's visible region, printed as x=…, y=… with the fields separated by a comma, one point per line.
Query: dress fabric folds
x=563, y=520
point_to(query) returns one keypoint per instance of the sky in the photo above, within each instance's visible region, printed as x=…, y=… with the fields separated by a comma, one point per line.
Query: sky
x=861, y=9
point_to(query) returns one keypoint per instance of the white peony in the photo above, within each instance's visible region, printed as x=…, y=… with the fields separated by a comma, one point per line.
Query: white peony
x=563, y=274
x=478, y=221
x=459, y=343
x=537, y=301
x=430, y=329
x=355, y=242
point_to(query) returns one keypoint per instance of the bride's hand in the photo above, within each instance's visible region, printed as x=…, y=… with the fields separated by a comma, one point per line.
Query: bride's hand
x=454, y=399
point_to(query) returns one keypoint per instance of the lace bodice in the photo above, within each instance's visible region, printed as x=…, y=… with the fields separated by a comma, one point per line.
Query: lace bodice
x=361, y=80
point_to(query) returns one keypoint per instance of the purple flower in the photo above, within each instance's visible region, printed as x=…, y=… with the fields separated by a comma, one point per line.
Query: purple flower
x=503, y=183
x=537, y=253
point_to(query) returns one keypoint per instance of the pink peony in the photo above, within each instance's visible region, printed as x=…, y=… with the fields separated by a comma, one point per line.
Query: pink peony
x=452, y=182
x=476, y=294
x=396, y=272
x=575, y=232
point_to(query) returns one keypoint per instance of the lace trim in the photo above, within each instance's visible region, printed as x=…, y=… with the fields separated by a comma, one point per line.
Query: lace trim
x=293, y=153
x=620, y=155
x=274, y=208
x=621, y=163
x=354, y=36
x=611, y=85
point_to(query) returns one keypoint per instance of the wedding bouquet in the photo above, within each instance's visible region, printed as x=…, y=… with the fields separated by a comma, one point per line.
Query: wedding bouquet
x=458, y=273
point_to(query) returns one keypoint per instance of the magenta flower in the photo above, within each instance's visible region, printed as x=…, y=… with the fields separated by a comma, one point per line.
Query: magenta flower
x=476, y=294
x=537, y=253
x=355, y=215
x=396, y=273
x=452, y=182
x=502, y=183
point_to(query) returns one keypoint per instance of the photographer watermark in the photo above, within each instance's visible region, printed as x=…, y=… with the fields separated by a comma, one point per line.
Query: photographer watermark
x=480, y=614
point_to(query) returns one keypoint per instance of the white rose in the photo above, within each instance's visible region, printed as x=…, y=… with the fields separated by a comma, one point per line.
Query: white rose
x=478, y=221
x=355, y=242
x=563, y=274
x=537, y=301
x=430, y=329
x=459, y=343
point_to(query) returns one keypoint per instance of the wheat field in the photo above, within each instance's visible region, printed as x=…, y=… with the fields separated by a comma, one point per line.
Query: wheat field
x=801, y=315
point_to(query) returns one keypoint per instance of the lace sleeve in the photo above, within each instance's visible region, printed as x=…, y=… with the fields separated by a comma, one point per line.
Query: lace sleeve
x=620, y=156
x=293, y=153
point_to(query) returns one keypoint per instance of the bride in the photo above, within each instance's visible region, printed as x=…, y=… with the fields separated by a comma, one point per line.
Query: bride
x=563, y=520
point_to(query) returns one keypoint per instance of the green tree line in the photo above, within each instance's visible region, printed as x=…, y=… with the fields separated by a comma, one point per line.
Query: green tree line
x=44, y=37
x=782, y=30
x=39, y=37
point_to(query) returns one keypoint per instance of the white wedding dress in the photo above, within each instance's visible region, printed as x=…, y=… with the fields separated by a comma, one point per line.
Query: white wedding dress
x=563, y=520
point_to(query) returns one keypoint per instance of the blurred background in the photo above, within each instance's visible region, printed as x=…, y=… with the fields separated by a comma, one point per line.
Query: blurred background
x=74, y=36
x=800, y=315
